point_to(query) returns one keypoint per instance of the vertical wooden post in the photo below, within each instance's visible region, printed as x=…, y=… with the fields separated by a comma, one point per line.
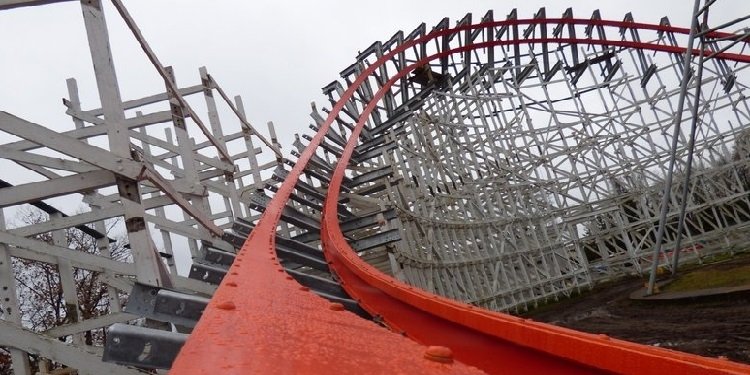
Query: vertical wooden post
x=11, y=311
x=215, y=122
x=102, y=244
x=149, y=269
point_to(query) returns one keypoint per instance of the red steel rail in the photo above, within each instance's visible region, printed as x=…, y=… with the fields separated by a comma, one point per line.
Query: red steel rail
x=261, y=321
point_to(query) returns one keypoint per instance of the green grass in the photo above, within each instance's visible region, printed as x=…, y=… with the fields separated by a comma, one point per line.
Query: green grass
x=711, y=278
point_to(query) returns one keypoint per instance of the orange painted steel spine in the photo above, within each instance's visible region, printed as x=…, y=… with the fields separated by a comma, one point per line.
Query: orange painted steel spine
x=252, y=324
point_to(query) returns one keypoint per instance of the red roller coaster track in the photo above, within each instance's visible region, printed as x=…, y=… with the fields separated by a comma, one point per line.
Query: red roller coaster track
x=261, y=321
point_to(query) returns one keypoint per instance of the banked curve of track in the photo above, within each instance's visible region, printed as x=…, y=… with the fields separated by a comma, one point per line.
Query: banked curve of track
x=260, y=322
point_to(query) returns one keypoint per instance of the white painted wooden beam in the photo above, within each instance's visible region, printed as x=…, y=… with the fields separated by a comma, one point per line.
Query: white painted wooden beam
x=36, y=191
x=73, y=356
x=11, y=310
x=151, y=99
x=88, y=325
x=10, y=4
x=97, y=130
x=45, y=161
x=70, y=146
x=49, y=254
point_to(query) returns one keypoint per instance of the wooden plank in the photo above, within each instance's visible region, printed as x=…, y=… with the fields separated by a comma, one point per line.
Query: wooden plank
x=71, y=355
x=10, y=4
x=80, y=259
x=36, y=191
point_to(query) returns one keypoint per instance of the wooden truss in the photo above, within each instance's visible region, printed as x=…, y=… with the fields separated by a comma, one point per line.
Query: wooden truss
x=501, y=164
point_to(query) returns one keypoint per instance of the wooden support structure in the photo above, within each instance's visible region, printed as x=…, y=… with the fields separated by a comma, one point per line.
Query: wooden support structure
x=490, y=165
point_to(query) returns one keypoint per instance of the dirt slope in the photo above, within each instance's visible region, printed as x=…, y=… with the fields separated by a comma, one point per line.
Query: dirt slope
x=714, y=326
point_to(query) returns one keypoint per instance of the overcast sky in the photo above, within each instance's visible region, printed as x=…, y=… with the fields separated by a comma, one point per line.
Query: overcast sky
x=276, y=54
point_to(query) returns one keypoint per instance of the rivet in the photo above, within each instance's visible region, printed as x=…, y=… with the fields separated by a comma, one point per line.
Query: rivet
x=335, y=306
x=304, y=288
x=226, y=305
x=440, y=354
x=723, y=358
x=280, y=270
x=603, y=336
x=289, y=277
x=231, y=283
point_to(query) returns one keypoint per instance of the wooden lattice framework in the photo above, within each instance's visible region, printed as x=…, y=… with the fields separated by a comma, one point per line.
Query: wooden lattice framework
x=154, y=164
x=526, y=171
x=500, y=164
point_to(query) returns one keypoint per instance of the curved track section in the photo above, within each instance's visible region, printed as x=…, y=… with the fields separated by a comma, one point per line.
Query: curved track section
x=261, y=321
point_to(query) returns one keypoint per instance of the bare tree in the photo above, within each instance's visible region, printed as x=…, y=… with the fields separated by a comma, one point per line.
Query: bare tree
x=5, y=365
x=40, y=291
